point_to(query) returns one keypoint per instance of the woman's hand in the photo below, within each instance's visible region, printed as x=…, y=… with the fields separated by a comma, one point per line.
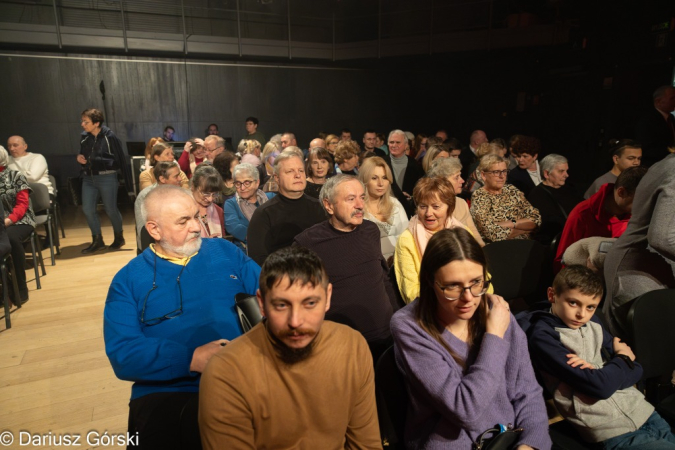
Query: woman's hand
x=499, y=316
x=81, y=159
x=187, y=146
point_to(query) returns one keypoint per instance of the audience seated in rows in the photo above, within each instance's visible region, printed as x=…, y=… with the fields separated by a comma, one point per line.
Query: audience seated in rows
x=275, y=224
x=381, y=207
x=625, y=153
x=19, y=218
x=643, y=258
x=239, y=209
x=31, y=165
x=450, y=169
x=463, y=355
x=605, y=214
x=363, y=297
x=499, y=210
x=553, y=198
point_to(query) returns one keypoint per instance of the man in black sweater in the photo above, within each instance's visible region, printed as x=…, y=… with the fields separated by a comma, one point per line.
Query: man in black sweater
x=350, y=250
x=276, y=222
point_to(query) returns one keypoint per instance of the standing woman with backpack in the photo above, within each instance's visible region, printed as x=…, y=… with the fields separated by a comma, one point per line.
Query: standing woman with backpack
x=101, y=157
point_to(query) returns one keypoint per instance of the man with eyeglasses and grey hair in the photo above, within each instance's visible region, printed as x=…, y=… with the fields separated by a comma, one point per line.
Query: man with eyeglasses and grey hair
x=214, y=146
x=167, y=312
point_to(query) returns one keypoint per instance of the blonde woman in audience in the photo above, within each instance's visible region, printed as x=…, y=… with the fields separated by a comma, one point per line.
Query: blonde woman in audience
x=193, y=155
x=435, y=151
x=269, y=154
x=435, y=200
x=331, y=143
x=249, y=149
x=206, y=186
x=160, y=152
x=347, y=158
x=500, y=210
x=475, y=180
x=450, y=169
x=381, y=207
x=318, y=168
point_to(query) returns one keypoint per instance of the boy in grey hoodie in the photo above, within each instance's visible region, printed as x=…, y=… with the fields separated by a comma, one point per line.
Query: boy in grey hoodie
x=589, y=373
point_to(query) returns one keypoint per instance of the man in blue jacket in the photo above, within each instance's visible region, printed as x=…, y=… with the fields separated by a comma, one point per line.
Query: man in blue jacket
x=167, y=312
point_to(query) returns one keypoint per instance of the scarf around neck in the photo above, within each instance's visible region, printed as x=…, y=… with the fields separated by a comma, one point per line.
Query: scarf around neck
x=247, y=208
x=422, y=235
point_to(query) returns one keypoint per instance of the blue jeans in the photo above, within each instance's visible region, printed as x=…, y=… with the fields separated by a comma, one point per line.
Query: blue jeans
x=107, y=186
x=655, y=434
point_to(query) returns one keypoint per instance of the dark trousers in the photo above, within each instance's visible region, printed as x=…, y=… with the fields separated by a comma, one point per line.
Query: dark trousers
x=17, y=234
x=165, y=421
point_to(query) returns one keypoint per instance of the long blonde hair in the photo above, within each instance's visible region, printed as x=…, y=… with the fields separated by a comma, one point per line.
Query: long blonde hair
x=385, y=204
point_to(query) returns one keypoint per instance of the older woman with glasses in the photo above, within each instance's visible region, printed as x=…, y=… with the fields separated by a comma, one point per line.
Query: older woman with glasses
x=500, y=210
x=464, y=357
x=207, y=184
x=240, y=209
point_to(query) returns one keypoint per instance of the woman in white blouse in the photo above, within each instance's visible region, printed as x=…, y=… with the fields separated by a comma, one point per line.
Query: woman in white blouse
x=381, y=207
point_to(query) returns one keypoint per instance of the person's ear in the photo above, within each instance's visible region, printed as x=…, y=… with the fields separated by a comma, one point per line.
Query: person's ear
x=546, y=174
x=551, y=295
x=261, y=302
x=621, y=192
x=153, y=230
x=329, y=294
x=328, y=207
x=615, y=158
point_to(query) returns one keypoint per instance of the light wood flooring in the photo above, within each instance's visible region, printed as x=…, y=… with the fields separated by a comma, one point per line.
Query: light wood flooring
x=54, y=374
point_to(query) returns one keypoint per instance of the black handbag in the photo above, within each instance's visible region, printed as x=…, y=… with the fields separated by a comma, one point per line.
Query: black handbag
x=498, y=438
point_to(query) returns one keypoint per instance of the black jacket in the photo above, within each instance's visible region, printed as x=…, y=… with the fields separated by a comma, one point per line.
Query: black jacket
x=105, y=152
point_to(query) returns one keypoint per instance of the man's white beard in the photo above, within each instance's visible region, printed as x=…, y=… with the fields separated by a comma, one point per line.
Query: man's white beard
x=185, y=250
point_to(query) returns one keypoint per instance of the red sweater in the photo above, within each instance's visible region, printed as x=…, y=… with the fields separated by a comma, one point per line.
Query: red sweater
x=21, y=204
x=588, y=219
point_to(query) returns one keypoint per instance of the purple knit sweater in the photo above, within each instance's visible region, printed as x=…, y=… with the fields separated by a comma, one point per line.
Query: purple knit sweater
x=450, y=409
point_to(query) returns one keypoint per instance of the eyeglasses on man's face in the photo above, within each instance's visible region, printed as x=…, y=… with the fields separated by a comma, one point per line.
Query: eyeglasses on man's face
x=454, y=291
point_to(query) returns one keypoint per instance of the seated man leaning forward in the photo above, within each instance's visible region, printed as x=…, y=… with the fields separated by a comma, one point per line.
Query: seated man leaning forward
x=293, y=381
x=167, y=312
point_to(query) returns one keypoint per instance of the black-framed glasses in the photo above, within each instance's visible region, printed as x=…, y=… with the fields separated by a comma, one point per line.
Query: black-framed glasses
x=243, y=184
x=497, y=173
x=455, y=291
x=171, y=315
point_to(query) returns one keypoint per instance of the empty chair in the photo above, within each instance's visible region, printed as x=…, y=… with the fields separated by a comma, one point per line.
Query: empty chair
x=41, y=204
x=516, y=267
x=56, y=208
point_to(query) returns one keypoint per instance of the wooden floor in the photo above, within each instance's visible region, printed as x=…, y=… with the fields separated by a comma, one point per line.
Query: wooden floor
x=54, y=374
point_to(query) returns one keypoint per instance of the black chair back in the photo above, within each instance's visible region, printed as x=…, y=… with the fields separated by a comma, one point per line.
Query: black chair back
x=248, y=310
x=39, y=198
x=392, y=400
x=515, y=266
x=399, y=302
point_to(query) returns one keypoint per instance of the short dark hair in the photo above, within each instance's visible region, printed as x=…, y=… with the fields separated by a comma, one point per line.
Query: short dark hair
x=452, y=144
x=206, y=179
x=161, y=168
x=578, y=277
x=630, y=178
x=526, y=144
x=169, y=127
x=252, y=119
x=299, y=264
x=212, y=125
x=345, y=130
x=369, y=130
x=618, y=146
x=222, y=164
x=95, y=115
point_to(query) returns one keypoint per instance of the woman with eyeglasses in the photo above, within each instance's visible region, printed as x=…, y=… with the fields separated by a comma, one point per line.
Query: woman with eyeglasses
x=240, y=208
x=435, y=200
x=319, y=168
x=475, y=179
x=331, y=143
x=500, y=210
x=464, y=358
x=206, y=186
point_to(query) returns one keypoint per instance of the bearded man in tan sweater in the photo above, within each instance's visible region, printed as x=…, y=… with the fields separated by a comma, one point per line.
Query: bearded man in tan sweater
x=293, y=381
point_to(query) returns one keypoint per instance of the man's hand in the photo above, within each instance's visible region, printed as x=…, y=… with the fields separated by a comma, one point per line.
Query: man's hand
x=81, y=159
x=622, y=348
x=575, y=361
x=202, y=354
